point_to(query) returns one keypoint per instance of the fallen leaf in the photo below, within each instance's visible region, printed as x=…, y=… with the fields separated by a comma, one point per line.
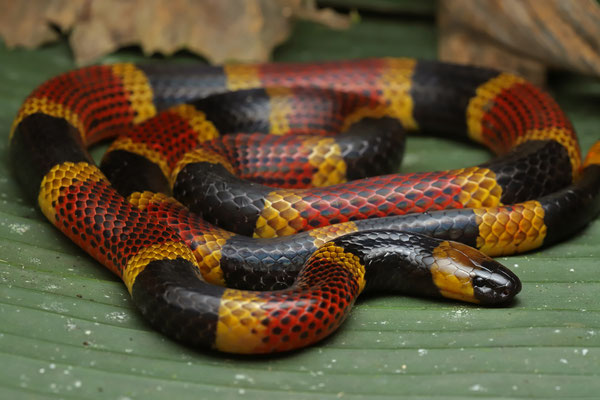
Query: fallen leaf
x=219, y=30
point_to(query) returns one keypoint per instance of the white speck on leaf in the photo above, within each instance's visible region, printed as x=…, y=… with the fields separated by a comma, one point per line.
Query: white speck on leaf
x=243, y=377
x=19, y=229
x=117, y=316
x=70, y=325
x=53, y=306
x=478, y=388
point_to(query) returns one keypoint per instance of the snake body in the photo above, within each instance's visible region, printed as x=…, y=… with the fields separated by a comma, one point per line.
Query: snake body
x=350, y=233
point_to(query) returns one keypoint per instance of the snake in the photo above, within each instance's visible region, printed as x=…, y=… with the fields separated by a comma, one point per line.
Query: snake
x=238, y=205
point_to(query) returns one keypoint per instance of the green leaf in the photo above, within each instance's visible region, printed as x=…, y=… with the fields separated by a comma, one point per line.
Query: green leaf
x=68, y=329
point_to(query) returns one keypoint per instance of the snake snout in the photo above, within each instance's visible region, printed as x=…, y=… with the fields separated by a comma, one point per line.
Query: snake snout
x=496, y=284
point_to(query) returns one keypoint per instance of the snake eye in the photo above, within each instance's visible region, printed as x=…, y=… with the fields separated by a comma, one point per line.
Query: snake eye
x=478, y=282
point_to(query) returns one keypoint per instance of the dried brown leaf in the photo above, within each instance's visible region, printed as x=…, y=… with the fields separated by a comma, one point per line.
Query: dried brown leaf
x=219, y=30
x=522, y=36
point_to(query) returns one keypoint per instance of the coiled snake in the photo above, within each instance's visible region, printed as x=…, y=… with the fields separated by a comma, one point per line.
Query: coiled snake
x=330, y=123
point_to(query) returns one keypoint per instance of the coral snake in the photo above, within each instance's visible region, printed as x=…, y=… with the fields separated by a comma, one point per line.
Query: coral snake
x=331, y=124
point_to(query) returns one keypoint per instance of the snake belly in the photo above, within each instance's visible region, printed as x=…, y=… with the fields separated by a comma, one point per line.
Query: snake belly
x=294, y=259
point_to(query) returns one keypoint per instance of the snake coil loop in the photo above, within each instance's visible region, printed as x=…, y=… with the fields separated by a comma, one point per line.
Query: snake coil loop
x=331, y=126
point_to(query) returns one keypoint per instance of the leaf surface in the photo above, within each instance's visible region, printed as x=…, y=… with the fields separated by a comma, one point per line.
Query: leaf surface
x=69, y=330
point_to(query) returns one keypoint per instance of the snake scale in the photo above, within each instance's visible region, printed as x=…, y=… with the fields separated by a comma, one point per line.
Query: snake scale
x=236, y=203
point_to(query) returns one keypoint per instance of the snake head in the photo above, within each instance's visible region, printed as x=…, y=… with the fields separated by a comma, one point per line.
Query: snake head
x=463, y=273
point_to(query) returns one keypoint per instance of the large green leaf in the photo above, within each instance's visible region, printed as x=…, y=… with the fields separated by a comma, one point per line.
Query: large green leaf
x=69, y=330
